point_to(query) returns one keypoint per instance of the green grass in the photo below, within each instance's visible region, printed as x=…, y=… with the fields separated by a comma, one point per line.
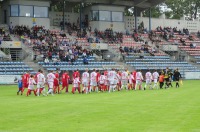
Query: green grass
x=171, y=110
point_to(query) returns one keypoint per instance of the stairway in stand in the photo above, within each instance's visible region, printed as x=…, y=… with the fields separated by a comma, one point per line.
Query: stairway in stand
x=28, y=58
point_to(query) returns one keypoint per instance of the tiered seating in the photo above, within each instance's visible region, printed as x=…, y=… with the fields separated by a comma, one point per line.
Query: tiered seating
x=191, y=51
x=159, y=62
x=83, y=41
x=114, y=47
x=129, y=41
x=61, y=39
x=13, y=68
x=197, y=58
x=76, y=65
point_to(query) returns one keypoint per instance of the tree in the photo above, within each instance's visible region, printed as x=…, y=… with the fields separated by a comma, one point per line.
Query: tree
x=184, y=7
x=155, y=12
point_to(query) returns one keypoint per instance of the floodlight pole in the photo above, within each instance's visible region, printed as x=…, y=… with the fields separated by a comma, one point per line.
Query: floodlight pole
x=135, y=14
x=63, y=15
x=150, y=19
x=81, y=16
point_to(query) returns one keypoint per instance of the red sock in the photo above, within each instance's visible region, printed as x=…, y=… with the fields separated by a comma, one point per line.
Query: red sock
x=67, y=88
x=58, y=89
x=73, y=90
x=35, y=92
x=79, y=90
x=28, y=93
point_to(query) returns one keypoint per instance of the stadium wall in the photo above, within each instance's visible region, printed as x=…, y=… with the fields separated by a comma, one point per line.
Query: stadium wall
x=128, y=23
x=193, y=26
x=57, y=17
x=29, y=21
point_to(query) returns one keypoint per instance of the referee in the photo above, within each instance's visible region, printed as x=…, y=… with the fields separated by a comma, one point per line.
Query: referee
x=177, y=77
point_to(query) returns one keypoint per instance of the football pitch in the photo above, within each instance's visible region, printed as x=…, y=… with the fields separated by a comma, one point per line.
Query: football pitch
x=166, y=110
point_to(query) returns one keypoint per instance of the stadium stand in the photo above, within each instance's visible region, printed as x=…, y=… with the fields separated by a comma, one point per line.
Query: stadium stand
x=92, y=64
x=14, y=68
x=159, y=63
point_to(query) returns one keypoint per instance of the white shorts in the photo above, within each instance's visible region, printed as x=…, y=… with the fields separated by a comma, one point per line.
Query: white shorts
x=111, y=82
x=148, y=81
x=106, y=83
x=50, y=84
x=93, y=83
x=130, y=82
x=139, y=82
x=75, y=85
x=85, y=83
x=124, y=82
x=31, y=87
x=40, y=85
x=116, y=82
x=155, y=80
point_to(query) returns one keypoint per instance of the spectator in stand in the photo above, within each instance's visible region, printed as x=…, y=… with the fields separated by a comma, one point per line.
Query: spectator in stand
x=176, y=42
x=146, y=50
x=141, y=39
x=190, y=38
x=50, y=55
x=182, y=41
x=198, y=33
x=193, y=45
x=11, y=28
x=121, y=50
x=85, y=61
x=46, y=61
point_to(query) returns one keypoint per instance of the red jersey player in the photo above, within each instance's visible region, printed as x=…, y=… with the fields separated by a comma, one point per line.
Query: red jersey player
x=25, y=80
x=119, y=84
x=65, y=81
x=134, y=76
x=106, y=72
x=56, y=83
x=98, y=76
x=76, y=74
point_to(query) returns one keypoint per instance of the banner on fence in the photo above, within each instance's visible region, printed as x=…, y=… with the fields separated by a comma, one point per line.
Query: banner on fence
x=192, y=75
x=8, y=79
x=99, y=46
x=11, y=44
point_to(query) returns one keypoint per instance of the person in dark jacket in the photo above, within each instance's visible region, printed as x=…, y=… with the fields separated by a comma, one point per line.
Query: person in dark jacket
x=177, y=77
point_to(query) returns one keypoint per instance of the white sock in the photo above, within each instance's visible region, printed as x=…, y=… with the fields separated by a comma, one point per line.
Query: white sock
x=38, y=92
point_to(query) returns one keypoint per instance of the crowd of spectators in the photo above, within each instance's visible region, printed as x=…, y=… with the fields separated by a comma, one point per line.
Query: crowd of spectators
x=138, y=49
x=46, y=44
x=168, y=32
x=4, y=36
x=137, y=37
x=109, y=35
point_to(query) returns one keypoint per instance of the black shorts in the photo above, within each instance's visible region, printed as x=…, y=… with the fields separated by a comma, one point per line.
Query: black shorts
x=176, y=79
x=167, y=79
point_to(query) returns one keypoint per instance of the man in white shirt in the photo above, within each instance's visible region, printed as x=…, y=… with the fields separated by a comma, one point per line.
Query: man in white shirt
x=93, y=81
x=112, y=75
x=148, y=78
x=102, y=80
x=50, y=80
x=130, y=80
x=155, y=79
x=139, y=79
x=124, y=79
x=85, y=81
x=40, y=82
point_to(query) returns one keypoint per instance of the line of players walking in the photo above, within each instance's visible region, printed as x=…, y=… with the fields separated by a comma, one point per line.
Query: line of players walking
x=108, y=80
